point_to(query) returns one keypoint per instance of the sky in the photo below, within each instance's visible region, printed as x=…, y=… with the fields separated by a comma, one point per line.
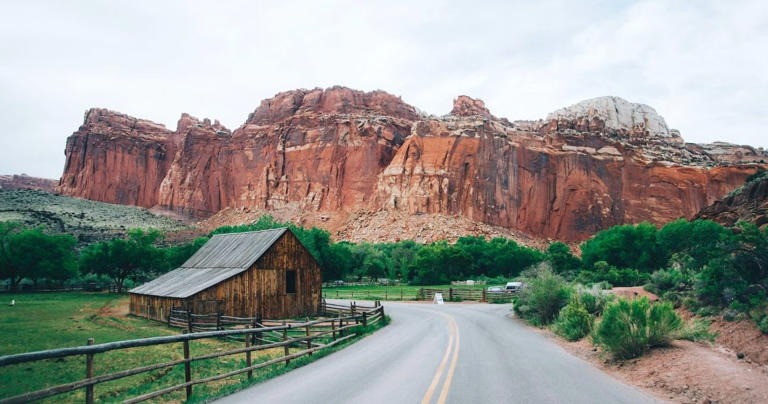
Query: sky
x=703, y=65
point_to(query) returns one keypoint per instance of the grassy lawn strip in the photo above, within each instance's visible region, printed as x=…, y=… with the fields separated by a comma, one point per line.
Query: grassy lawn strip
x=42, y=321
x=380, y=292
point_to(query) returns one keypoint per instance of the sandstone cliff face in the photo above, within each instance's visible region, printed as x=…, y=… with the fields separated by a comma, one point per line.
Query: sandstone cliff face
x=748, y=203
x=337, y=155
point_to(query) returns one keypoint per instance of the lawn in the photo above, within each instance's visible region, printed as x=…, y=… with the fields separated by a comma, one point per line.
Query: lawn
x=381, y=292
x=41, y=321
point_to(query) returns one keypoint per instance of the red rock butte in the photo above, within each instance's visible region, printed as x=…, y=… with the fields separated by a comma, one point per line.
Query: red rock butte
x=331, y=157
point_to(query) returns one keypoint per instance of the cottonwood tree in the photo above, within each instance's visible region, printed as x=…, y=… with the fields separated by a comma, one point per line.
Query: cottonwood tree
x=125, y=258
x=35, y=254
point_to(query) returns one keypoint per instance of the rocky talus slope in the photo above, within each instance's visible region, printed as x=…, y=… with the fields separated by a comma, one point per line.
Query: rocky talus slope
x=748, y=203
x=331, y=157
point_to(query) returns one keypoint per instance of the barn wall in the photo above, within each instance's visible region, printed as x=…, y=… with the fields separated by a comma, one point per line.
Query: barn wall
x=153, y=307
x=260, y=291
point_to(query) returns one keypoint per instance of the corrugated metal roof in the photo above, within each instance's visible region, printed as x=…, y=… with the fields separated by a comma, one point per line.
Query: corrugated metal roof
x=222, y=257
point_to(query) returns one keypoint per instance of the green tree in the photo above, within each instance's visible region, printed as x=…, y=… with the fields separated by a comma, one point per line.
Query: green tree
x=134, y=257
x=625, y=246
x=561, y=258
x=35, y=254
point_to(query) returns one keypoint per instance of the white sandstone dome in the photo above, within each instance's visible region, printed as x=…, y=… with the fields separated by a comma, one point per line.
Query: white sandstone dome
x=617, y=113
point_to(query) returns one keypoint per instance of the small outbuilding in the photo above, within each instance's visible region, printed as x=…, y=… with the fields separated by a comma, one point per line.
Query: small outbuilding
x=266, y=273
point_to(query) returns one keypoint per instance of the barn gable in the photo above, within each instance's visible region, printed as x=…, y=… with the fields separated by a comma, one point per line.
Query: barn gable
x=221, y=258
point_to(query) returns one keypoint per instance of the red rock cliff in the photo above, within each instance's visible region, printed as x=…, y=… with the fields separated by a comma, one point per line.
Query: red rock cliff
x=339, y=151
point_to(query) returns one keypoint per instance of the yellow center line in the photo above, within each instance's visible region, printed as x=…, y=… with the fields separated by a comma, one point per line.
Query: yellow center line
x=449, y=376
x=453, y=335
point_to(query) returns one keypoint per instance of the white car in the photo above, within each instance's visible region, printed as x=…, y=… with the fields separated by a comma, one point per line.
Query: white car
x=513, y=287
x=495, y=290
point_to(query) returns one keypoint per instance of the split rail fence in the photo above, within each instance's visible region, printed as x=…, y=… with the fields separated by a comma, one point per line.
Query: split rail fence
x=309, y=336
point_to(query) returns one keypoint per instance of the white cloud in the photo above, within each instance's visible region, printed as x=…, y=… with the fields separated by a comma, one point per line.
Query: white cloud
x=700, y=64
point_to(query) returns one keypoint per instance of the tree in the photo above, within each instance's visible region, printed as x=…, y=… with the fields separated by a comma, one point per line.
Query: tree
x=121, y=259
x=625, y=246
x=34, y=254
x=561, y=258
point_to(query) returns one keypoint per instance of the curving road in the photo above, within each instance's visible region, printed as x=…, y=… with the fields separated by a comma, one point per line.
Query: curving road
x=453, y=353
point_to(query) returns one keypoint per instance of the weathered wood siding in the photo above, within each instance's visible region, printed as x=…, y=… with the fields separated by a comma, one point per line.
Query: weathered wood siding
x=154, y=307
x=259, y=291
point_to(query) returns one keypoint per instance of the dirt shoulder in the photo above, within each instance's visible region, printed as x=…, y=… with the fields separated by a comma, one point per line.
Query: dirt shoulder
x=685, y=372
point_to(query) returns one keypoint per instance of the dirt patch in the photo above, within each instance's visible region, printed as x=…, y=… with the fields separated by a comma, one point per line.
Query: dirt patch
x=112, y=313
x=633, y=292
x=742, y=337
x=685, y=372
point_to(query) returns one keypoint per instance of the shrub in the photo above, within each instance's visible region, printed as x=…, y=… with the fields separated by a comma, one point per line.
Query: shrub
x=663, y=322
x=543, y=296
x=594, y=299
x=696, y=329
x=666, y=280
x=629, y=328
x=763, y=325
x=574, y=322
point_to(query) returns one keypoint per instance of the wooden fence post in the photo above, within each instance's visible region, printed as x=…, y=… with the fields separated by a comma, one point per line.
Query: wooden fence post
x=170, y=313
x=248, y=353
x=365, y=319
x=309, y=341
x=89, y=374
x=450, y=294
x=187, y=369
x=385, y=294
x=333, y=328
x=218, y=321
x=337, y=293
x=285, y=338
x=485, y=298
x=401, y=294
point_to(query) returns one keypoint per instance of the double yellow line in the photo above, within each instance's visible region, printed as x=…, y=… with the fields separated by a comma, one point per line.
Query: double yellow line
x=453, y=342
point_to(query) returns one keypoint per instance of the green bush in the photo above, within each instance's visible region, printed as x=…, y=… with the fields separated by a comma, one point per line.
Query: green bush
x=574, y=322
x=663, y=322
x=763, y=325
x=667, y=280
x=696, y=329
x=594, y=299
x=544, y=294
x=629, y=328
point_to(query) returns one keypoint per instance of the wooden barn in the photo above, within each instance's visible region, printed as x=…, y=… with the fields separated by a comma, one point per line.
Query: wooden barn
x=265, y=273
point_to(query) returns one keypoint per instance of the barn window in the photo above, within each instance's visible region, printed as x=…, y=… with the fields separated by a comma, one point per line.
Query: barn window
x=290, y=281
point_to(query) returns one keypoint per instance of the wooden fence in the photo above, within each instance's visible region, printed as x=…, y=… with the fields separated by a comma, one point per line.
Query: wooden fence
x=310, y=336
x=376, y=294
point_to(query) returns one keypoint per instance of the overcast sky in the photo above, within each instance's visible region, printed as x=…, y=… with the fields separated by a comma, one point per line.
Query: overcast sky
x=702, y=65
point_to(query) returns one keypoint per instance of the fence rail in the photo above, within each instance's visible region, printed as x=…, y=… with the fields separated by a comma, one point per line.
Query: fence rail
x=311, y=336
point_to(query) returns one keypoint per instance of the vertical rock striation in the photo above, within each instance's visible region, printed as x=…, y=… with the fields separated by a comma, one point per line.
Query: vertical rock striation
x=339, y=151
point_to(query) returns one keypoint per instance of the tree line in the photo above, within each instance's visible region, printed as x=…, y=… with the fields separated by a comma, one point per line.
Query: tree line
x=698, y=258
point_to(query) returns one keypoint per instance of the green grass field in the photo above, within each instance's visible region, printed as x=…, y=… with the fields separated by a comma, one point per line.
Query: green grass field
x=380, y=292
x=41, y=321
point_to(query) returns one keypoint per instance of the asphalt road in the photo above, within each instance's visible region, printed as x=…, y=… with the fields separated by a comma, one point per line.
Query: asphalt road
x=452, y=353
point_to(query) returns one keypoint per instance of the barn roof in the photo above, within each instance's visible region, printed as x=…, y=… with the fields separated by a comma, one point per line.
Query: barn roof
x=222, y=257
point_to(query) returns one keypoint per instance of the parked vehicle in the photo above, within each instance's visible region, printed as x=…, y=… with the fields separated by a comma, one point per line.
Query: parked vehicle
x=495, y=290
x=513, y=287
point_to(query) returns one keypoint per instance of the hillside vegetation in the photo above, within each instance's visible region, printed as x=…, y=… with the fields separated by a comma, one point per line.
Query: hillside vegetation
x=86, y=220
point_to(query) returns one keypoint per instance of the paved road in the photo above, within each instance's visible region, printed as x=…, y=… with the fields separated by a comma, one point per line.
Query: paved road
x=453, y=353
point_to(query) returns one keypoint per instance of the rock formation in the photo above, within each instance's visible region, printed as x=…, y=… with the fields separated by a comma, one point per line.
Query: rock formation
x=24, y=181
x=748, y=203
x=330, y=157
